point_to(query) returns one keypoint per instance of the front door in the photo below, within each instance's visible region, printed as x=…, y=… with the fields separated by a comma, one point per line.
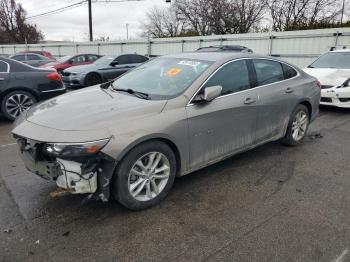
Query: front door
x=227, y=124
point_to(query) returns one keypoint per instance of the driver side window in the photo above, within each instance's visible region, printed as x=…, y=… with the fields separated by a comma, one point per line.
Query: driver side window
x=233, y=77
x=123, y=60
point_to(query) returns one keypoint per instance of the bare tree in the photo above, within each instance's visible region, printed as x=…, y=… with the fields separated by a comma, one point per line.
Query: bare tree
x=221, y=16
x=163, y=23
x=13, y=25
x=196, y=14
x=301, y=14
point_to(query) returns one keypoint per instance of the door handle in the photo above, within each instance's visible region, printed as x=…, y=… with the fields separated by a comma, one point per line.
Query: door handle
x=2, y=79
x=289, y=90
x=249, y=101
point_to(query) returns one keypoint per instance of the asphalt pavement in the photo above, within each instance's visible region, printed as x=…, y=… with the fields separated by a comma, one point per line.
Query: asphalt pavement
x=274, y=203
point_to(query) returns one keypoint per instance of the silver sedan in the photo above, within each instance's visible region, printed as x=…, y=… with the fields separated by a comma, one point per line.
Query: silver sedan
x=129, y=138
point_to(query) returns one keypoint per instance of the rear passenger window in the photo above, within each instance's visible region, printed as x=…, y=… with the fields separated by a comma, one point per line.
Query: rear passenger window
x=268, y=71
x=233, y=77
x=3, y=67
x=33, y=57
x=289, y=72
x=19, y=57
x=138, y=59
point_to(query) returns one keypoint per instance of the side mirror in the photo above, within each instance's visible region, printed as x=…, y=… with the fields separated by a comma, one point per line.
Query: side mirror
x=70, y=62
x=208, y=94
x=114, y=63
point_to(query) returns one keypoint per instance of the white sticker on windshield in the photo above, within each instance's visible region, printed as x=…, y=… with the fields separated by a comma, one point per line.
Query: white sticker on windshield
x=189, y=63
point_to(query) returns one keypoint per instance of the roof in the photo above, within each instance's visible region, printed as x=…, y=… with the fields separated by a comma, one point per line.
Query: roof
x=214, y=56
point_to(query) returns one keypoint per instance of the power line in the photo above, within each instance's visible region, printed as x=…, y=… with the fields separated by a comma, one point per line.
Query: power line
x=59, y=10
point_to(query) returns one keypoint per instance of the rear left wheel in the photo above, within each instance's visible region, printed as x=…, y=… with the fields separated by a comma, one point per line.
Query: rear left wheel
x=297, y=127
x=145, y=176
x=15, y=103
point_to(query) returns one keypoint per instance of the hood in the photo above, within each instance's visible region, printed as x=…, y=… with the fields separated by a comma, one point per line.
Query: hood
x=329, y=76
x=82, y=68
x=91, y=109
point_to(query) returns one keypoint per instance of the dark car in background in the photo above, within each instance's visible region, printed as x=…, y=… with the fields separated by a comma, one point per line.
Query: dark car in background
x=21, y=86
x=225, y=48
x=43, y=53
x=102, y=70
x=69, y=61
x=32, y=59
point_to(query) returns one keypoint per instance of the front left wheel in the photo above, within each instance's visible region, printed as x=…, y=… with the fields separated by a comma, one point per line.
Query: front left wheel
x=93, y=79
x=145, y=176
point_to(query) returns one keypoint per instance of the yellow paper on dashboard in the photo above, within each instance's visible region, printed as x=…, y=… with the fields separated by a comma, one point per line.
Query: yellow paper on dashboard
x=172, y=72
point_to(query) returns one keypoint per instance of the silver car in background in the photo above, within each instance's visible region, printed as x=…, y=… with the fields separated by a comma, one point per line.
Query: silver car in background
x=129, y=138
x=32, y=59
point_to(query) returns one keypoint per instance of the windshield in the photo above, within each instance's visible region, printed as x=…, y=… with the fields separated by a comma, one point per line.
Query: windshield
x=163, y=78
x=64, y=58
x=104, y=60
x=339, y=60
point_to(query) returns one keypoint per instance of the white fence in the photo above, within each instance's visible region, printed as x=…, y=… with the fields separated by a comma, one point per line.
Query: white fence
x=298, y=47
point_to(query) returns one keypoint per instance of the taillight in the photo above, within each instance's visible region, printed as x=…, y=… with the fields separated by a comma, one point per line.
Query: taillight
x=54, y=77
x=318, y=83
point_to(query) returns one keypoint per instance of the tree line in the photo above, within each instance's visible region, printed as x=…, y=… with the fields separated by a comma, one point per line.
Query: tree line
x=13, y=25
x=206, y=17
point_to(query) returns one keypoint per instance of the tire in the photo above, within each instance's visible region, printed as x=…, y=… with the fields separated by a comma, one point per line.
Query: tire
x=129, y=177
x=297, y=126
x=93, y=79
x=15, y=103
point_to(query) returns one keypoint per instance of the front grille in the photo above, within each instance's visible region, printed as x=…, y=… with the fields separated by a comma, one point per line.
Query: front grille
x=326, y=86
x=326, y=99
x=344, y=100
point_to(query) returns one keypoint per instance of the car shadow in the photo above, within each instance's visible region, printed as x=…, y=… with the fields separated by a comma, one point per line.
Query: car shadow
x=324, y=108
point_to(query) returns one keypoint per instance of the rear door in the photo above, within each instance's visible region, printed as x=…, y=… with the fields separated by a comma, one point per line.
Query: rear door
x=225, y=125
x=276, y=98
x=4, y=75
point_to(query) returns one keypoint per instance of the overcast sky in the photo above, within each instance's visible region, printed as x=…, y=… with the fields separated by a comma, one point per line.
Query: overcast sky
x=109, y=19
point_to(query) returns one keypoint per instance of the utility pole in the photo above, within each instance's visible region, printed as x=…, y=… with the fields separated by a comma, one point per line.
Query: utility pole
x=90, y=22
x=342, y=13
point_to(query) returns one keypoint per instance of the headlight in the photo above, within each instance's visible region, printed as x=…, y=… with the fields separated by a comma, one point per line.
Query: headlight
x=75, y=149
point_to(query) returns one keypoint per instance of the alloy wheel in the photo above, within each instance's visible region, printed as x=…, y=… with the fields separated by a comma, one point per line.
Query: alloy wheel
x=149, y=176
x=17, y=104
x=299, y=126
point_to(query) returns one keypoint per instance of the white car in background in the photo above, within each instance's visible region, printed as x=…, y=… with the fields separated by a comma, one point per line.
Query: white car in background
x=333, y=71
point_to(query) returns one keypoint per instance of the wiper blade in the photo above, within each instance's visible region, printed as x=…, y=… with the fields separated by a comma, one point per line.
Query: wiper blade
x=133, y=92
x=106, y=85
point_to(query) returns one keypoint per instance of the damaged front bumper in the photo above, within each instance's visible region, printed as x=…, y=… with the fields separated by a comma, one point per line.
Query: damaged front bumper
x=85, y=175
